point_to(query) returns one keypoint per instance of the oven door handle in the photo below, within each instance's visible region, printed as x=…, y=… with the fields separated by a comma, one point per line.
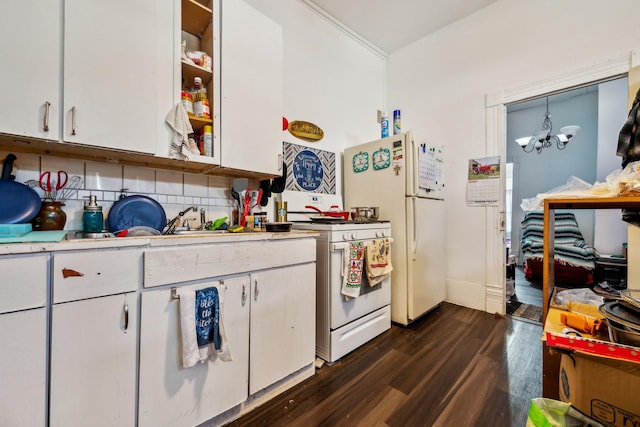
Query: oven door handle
x=345, y=245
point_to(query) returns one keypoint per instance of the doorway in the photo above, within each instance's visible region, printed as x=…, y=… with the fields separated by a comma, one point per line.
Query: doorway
x=497, y=130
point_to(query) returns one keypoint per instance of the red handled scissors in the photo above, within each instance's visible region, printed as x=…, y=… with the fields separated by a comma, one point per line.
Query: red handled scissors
x=50, y=187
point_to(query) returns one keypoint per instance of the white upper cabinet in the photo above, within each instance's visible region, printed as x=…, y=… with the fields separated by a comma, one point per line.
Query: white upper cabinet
x=251, y=89
x=118, y=74
x=30, y=40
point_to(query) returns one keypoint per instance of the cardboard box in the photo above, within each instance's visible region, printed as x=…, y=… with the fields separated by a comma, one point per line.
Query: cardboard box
x=605, y=389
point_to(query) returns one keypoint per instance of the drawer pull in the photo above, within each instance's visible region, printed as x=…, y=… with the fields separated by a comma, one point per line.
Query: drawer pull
x=244, y=294
x=256, y=291
x=73, y=120
x=45, y=120
x=126, y=315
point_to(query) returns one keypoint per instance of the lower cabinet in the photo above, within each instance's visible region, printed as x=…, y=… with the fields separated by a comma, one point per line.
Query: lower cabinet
x=174, y=396
x=93, y=362
x=282, y=323
x=23, y=340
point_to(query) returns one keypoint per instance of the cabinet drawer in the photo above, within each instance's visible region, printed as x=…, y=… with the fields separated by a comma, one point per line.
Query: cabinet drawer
x=186, y=263
x=79, y=275
x=23, y=282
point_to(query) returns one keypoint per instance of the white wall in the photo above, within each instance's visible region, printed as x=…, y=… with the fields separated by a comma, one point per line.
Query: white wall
x=441, y=83
x=330, y=79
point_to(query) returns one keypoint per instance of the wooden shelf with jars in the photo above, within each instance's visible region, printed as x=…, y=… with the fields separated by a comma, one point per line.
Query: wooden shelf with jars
x=197, y=35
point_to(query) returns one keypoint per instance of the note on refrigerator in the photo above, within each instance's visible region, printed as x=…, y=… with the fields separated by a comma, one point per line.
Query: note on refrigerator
x=430, y=167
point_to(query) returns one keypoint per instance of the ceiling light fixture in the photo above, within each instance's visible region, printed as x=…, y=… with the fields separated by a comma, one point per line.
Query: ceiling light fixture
x=544, y=138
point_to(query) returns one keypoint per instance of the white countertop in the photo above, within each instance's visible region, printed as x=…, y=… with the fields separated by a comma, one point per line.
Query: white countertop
x=74, y=244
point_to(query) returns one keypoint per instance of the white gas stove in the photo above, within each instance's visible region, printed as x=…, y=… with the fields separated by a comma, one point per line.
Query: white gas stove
x=342, y=324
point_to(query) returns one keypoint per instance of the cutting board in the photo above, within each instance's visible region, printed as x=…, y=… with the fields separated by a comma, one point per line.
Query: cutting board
x=36, y=236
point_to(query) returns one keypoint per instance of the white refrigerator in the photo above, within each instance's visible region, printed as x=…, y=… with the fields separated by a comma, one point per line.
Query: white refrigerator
x=404, y=179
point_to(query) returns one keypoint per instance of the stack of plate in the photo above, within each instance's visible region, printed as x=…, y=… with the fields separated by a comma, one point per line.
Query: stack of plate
x=623, y=317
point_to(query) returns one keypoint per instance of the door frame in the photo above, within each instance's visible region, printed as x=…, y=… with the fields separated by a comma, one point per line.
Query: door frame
x=496, y=144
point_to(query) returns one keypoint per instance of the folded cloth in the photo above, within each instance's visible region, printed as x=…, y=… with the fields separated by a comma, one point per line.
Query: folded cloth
x=178, y=120
x=352, y=269
x=378, y=260
x=201, y=325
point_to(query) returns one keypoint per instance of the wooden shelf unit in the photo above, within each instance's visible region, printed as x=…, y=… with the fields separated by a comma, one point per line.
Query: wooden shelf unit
x=551, y=358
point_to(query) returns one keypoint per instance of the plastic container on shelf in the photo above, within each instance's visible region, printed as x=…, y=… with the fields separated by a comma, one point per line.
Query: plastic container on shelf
x=200, y=99
x=207, y=140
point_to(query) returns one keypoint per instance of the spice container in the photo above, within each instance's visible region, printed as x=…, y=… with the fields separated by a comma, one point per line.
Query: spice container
x=187, y=102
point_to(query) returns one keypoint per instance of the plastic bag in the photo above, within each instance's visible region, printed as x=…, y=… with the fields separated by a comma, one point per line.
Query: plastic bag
x=545, y=412
x=620, y=180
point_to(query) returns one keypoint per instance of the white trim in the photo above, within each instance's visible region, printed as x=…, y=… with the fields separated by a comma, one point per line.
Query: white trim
x=602, y=70
x=496, y=118
x=346, y=30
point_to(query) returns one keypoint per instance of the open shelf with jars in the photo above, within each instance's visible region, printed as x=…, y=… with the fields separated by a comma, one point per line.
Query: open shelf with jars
x=197, y=36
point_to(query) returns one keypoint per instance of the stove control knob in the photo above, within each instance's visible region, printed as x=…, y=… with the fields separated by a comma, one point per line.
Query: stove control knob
x=345, y=236
x=379, y=233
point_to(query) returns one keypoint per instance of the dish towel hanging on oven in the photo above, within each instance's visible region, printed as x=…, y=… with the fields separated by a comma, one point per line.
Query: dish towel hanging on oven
x=201, y=325
x=353, y=263
x=378, y=260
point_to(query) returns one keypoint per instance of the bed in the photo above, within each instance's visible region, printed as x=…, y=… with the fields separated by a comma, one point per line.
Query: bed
x=574, y=259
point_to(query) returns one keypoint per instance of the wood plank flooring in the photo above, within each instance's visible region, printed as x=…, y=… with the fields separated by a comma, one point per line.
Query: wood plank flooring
x=454, y=367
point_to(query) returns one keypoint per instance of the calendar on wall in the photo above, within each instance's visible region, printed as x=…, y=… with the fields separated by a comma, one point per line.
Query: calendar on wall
x=483, y=183
x=430, y=167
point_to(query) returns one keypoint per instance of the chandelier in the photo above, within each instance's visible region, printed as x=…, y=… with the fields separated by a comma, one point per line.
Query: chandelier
x=545, y=139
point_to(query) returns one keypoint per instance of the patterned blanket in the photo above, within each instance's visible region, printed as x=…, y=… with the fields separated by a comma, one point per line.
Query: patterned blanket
x=570, y=247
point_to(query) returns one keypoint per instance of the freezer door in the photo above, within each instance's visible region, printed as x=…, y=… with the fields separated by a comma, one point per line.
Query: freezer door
x=425, y=255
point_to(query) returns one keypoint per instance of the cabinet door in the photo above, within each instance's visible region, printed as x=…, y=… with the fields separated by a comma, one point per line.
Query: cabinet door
x=30, y=37
x=118, y=73
x=93, y=362
x=251, y=89
x=23, y=368
x=174, y=396
x=282, y=323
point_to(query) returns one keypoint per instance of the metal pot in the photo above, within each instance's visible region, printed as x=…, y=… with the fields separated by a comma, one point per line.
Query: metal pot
x=365, y=213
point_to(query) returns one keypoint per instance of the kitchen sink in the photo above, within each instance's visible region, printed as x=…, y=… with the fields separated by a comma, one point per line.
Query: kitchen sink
x=198, y=232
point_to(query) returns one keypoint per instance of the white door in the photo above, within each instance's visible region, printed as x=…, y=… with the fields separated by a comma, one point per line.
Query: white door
x=93, y=362
x=173, y=396
x=426, y=255
x=282, y=323
x=31, y=32
x=23, y=368
x=118, y=73
x=251, y=90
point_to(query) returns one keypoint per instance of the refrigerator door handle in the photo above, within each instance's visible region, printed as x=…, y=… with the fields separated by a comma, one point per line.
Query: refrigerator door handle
x=412, y=171
x=414, y=234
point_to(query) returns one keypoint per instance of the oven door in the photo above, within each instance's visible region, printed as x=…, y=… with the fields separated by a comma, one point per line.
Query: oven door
x=371, y=298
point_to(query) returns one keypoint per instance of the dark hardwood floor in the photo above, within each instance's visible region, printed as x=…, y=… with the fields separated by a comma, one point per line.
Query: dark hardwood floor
x=527, y=292
x=454, y=367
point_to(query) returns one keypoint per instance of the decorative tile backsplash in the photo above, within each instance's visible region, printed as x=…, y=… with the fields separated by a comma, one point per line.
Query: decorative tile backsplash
x=173, y=190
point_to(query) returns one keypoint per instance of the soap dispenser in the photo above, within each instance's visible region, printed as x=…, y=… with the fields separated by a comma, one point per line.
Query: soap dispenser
x=92, y=219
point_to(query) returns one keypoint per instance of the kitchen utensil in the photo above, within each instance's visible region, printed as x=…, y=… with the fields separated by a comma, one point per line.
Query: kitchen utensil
x=278, y=184
x=620, y=334
x=51, y=187
x=137, y=210
x=18, y=202
x=332, y=212
x=618, y=313
x=74, y=184
x=361, y=213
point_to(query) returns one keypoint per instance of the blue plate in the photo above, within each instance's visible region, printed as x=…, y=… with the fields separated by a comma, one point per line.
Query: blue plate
x=18, y=203
x=134, y=211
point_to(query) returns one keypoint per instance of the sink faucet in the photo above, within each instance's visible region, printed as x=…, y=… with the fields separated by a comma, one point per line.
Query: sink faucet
x=203, y=219
x=171, y=225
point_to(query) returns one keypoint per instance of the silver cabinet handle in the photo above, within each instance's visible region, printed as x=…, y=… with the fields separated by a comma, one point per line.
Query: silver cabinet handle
x=73, y=120
x=244, y=294
x=45, y=120
x=126, y=315
x=256, y=291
